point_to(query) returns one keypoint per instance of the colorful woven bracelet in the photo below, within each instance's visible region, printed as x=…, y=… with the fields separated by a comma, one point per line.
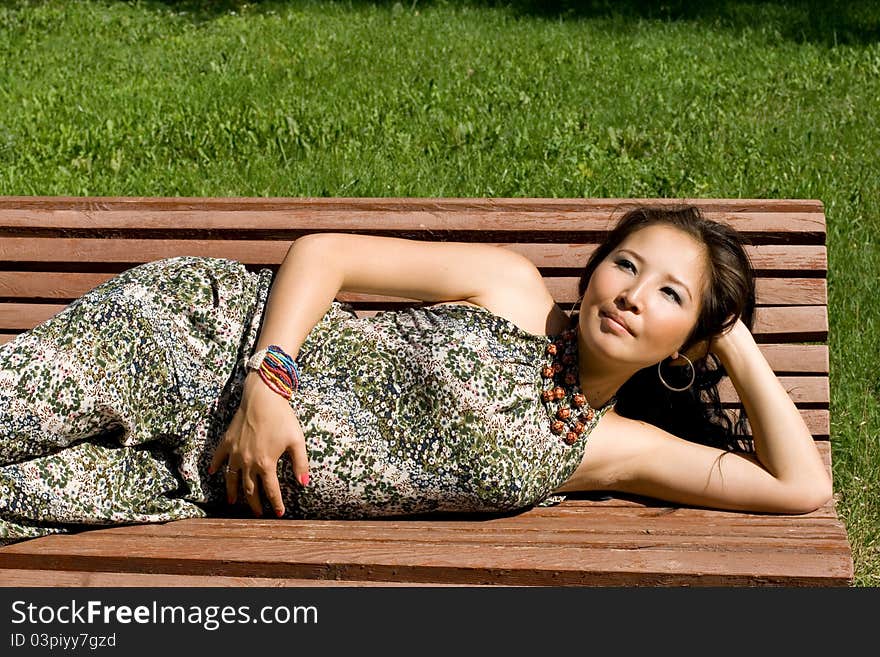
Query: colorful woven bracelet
x=277, y=369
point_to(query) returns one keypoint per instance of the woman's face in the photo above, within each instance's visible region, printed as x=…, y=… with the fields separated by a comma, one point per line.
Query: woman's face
x=652, y=284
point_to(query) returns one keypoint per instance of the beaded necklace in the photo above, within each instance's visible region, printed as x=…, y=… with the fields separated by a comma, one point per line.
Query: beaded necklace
x=561, y=392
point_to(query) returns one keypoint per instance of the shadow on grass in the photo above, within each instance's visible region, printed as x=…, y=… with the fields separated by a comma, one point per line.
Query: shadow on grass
x=827, y=22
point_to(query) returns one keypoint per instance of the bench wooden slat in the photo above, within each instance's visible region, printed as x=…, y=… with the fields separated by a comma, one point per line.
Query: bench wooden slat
x=785, y=359
x=818, y=421
x=129, y=251
x=434, y=215
x=793, y=323
x=788, y=323
x=479, y=565
x=518, y=226
x=80, y=578
x=796, y=358
x=769, y=292
x=605, y=559
x=791, y=292
x=589, y=531
x=381, y=203
x=799, y=258
x=801, y=389
x=68, y=286
x=772, y=323
x=587, y=526
x=270, y=252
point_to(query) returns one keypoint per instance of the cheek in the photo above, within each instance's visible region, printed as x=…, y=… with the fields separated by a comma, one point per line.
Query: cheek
x=673, y=326
x=664, y=322
x=603, y=283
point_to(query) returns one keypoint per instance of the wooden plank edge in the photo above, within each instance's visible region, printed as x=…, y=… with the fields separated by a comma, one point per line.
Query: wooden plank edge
x=378, y=202
x=672, y=568
x=86, y=578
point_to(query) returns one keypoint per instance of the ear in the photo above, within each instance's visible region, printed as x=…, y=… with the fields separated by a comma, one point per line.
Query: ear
x=674, y=355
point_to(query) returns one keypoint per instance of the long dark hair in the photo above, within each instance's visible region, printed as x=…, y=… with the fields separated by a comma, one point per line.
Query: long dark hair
x=695, y=414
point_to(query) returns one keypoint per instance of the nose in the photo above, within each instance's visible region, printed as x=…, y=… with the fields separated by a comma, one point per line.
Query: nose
x=630, y=299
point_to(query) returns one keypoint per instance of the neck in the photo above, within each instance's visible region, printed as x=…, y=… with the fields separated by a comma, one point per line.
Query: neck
x=599, y=381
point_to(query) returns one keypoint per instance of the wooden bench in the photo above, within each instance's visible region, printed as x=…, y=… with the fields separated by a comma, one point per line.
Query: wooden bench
x=53, y=250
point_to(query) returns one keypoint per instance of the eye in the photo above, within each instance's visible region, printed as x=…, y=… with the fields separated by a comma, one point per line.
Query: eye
x=673, y=294
x=623, y=263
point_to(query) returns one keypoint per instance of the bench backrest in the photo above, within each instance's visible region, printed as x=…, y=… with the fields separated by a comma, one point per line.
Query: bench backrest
x=53, y=250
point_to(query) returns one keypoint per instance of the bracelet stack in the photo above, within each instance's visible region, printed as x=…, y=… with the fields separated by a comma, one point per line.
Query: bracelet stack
x=277, y=369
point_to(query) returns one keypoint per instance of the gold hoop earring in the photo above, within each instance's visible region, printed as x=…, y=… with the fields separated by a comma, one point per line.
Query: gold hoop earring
x=693, y=375
x=575, y=305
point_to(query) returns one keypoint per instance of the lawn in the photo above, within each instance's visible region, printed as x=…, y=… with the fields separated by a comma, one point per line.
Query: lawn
x=759, y=99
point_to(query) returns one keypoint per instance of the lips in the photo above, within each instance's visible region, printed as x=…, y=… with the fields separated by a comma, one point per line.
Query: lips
x=618, y=320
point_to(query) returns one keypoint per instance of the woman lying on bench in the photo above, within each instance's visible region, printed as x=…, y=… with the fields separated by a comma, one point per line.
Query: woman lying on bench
x=185, y=385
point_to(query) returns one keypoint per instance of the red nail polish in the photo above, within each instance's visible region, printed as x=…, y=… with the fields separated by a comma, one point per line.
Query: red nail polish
x=279, y=512
x=304, y=478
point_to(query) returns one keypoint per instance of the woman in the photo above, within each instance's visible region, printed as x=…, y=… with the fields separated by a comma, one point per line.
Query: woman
x=124, y=407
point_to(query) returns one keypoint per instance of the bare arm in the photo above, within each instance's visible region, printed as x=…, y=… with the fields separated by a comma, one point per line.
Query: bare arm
x=785, y=475
x=320, y=265
x=783, y=443
x=315, y=269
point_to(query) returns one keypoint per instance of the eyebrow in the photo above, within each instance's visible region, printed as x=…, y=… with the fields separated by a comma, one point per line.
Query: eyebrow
x=671, y=277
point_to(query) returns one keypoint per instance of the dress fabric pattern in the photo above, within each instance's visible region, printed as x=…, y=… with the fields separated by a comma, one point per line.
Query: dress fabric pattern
x=111, y=410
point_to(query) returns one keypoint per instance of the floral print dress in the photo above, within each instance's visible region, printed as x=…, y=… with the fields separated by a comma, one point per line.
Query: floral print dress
x=111, y=410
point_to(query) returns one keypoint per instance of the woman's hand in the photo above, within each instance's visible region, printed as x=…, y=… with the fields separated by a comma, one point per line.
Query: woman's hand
x=733, y=338
x=721, y=344
x=264, y=426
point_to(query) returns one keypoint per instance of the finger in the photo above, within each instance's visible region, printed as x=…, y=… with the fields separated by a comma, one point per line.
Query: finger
x=250, y=486
x=222, y=450
x=272, y=489
x=232, y=478
x=300, y=459
x=219, y=455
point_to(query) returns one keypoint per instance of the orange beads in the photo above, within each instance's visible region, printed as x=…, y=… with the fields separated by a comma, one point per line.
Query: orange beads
x=567, y=404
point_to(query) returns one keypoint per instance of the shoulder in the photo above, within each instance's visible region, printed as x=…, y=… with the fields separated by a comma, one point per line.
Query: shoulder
x=526, y=302
x=506, y=283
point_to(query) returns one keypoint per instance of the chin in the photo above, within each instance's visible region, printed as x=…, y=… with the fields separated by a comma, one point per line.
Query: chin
x=611, y=346
x=604, y=345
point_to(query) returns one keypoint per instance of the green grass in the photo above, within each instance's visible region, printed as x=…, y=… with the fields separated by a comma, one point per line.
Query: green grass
x=554, y=99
